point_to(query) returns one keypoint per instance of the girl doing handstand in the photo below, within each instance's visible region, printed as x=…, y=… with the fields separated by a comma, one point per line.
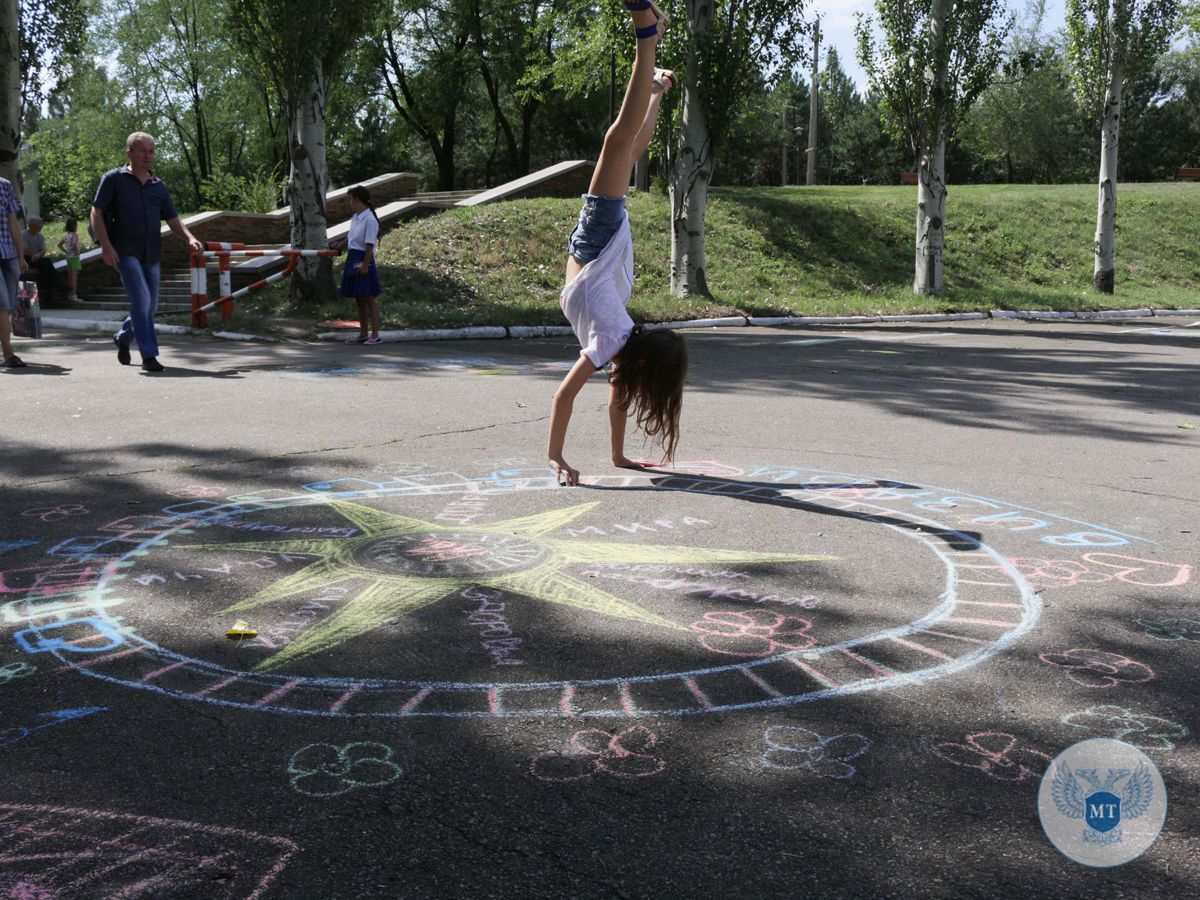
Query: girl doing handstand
x=648, y=367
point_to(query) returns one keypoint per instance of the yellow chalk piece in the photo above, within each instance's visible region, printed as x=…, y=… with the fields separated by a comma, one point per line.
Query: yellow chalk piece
x=1189, y=426
x=241, y=629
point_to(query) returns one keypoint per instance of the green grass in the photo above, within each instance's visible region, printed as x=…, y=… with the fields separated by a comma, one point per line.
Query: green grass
x=797, y=251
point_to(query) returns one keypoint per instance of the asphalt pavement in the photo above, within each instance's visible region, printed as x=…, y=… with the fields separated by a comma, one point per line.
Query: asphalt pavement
x=896, y=570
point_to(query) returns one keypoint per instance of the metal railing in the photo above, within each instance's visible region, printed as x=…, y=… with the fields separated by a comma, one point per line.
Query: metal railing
x=223, y=252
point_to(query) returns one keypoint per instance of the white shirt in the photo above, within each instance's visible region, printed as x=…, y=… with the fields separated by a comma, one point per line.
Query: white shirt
x=364, y=229
x=594, y=300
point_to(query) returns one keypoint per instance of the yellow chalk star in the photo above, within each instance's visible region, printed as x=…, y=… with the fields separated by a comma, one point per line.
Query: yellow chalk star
x=404, y=564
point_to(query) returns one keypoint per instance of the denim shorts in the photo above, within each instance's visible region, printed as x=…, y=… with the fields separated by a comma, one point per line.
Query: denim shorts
x=598, y=222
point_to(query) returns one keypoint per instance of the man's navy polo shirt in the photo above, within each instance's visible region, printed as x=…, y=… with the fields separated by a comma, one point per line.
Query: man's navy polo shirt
x=133, y=212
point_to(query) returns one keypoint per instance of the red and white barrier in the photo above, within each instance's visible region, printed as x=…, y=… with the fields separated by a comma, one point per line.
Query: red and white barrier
x=223, y=252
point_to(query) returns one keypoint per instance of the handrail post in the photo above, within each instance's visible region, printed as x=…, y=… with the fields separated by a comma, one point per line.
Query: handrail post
x=199, y=266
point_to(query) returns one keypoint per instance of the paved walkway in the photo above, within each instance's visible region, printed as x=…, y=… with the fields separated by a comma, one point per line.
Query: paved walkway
x=897, y=569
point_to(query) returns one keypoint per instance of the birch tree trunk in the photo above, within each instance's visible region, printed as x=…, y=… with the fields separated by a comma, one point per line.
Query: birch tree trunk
x=691, y=169
x=313, y=278
x=10, y=93
x=1106, y=208
x=931, y=218
x=931, y=160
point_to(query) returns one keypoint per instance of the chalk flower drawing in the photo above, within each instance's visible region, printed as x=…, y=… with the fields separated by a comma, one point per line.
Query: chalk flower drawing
x=1099, y=568
x=409, y=564
x=995, y=754
x=1172, y=629
x=323, y=770
x=56, y=513
x=753, y=633
x=626, y=754
x=1143, y=731
x=1098, y=668
x=13, y=671
x=792, y=749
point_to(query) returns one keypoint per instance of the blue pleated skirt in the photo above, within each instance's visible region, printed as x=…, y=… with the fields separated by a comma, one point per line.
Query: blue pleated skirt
x=356, y=285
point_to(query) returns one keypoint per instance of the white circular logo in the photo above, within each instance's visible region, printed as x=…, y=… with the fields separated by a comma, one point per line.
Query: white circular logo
x=1102, y=802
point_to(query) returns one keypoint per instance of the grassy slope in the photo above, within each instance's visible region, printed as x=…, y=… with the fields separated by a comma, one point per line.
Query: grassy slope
x=821, y=250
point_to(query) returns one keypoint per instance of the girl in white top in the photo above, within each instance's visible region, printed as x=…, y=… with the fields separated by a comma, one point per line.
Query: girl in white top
x=360, y=278
x=648, y=367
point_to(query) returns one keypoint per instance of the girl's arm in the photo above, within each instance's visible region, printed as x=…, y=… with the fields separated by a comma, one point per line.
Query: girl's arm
x=617, y=417
x=368, y=253
x=560, y=416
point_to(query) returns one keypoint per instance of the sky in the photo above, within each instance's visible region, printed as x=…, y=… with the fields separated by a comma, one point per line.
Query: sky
x=837, y=28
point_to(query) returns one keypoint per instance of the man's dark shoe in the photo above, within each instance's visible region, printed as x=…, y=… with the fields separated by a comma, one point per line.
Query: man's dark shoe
x=122, y=352
x=151, y=364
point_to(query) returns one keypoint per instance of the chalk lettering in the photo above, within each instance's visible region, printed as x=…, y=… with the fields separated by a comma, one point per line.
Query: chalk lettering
x=488, y=616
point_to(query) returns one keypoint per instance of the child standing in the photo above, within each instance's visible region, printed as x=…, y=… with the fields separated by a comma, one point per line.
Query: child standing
x=648, y=367
x=69, y=245
x=360, y=278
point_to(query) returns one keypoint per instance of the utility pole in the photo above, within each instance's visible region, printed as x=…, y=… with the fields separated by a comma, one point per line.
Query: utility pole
x=786, y=140
x=814, y=105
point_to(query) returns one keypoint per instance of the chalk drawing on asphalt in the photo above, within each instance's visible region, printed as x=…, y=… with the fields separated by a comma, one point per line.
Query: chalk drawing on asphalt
x=1142, y=730
x=790, y=748
x=77, y=606
x=626, y=754
x=52, y=851
x=325, y=770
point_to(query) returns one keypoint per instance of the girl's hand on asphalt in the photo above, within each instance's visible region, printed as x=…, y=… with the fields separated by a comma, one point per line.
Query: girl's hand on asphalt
x=563, y=473
x=625, y=462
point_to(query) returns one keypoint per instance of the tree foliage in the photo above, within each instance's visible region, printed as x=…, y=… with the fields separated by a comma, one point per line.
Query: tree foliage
x=52, y=32
x=898, y=58
x=1134, y=33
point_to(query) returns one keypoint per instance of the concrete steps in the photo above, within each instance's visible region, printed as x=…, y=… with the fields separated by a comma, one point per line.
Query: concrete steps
x=175, y=287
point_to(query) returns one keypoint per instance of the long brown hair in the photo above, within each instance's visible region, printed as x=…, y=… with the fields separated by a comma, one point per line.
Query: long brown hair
x=649, y=375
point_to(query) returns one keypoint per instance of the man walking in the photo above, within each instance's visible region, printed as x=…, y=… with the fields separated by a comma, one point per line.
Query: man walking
x=129, y=205
x=12, y=264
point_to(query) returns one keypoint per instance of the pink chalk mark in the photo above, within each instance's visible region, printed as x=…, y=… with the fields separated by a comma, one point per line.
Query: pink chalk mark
x=879, y=670
x=565, y=704
x=956, y=637
x=80, y=818
x=282, y=691
x=164, y=670
x=938, y=654
x=341, y=701
x=762, y=685
x=108, y=657
x=494, y=700
x=213, y=688
x=414, y=701
x=90, y=639
x=821, y=679
x=701, y=697
x=971, y=621
x=627, y=700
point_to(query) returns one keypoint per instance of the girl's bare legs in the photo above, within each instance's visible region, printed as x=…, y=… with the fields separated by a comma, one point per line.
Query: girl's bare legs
x=376, y=318
x=629, y=136
x=611, y=178
x=364, y=317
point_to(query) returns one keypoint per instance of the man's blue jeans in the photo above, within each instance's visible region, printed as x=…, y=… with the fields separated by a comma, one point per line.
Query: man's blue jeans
x=141, y=284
